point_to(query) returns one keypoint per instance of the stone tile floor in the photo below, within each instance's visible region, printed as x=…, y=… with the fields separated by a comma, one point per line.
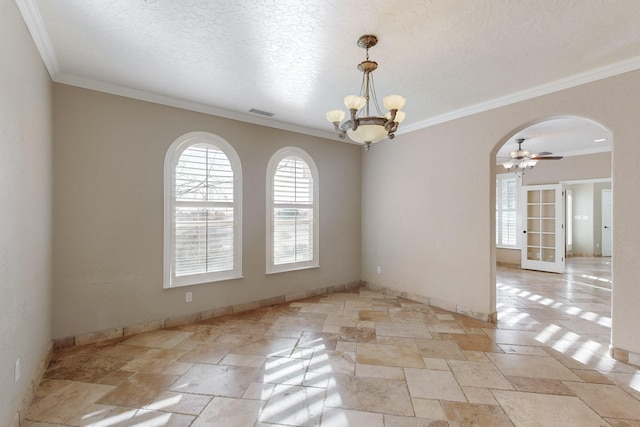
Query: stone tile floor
x=362, y=358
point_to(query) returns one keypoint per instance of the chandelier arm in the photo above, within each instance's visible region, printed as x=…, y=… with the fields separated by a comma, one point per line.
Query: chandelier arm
x=341, y=133
x=390, y=125
x=354, y=120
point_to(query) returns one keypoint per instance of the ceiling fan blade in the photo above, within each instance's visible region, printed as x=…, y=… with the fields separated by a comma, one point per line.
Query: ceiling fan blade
x=542, y=153
x=547, y=158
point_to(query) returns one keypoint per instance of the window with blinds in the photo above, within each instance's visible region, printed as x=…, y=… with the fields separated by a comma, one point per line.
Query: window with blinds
x=203, y=212
x=292, y=211
x=507, y=190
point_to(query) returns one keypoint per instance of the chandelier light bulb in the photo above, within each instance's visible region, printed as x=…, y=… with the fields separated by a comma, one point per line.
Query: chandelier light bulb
x=335, y=116
x=355, y=102
x=394, y=102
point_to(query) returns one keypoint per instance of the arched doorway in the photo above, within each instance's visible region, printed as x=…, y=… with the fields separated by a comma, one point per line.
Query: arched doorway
x=551, y=306
x=585, y=148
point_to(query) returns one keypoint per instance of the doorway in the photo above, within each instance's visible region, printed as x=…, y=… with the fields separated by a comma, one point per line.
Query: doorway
x=588, y=207
x=585, y=150
x=607, y=220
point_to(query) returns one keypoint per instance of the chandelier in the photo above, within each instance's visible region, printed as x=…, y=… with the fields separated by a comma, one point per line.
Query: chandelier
x=361, y=127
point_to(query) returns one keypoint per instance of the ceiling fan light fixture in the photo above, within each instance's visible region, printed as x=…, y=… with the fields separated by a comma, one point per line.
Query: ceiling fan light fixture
x=362, y=125
x=519, y=154
x=519, y=165
x=523, y=159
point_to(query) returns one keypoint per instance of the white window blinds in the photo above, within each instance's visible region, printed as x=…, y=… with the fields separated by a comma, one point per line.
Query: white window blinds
x=292, y=212
x=204, y=214
x=507, y=210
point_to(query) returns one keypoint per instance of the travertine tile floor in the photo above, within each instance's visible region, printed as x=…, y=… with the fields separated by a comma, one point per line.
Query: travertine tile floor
x=363, y=359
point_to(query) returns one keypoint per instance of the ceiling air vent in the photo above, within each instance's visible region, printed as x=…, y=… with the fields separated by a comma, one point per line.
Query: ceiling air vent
x=262, y=113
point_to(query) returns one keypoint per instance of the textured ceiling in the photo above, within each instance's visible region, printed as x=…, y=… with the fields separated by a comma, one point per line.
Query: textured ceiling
x=297, y=59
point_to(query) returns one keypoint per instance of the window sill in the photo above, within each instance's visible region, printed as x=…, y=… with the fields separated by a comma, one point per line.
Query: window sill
x=277, y=270
x=195, y=281
x=508, y=247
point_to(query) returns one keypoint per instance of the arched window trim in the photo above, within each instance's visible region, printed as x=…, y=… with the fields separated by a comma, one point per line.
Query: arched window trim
x=171, y=160
x=277, y=157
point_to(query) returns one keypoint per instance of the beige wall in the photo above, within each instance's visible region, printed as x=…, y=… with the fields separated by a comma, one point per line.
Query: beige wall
x=429, y=213
x=108, y=212
x=508, y=256
x=25, y=210
x=583, y=221
x=575, y=168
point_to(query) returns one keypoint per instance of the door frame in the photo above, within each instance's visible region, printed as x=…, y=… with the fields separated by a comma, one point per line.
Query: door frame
x=606, y=224
x=591, y=181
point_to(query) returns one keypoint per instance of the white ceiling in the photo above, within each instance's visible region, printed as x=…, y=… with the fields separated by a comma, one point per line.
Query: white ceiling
x=297, y=58
x=562, y=136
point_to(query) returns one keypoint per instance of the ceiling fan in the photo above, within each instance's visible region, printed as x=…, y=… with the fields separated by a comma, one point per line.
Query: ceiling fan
x=523, y=159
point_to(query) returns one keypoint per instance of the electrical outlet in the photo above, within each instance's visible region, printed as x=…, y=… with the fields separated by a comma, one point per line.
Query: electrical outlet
x=16, y=370
x=188, y=297
x=379, y=269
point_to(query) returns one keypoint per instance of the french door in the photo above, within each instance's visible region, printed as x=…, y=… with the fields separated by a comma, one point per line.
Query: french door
x=543, y=228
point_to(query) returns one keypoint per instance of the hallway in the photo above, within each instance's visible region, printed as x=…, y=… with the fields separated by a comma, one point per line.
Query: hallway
x=569, y=312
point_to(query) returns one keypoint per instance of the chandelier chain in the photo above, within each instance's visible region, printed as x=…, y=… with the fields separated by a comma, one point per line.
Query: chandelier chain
x=374, y=96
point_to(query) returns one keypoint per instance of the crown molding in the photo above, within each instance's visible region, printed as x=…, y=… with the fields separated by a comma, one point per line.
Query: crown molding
x=596, y=74
x=584, y=151
x=36, y=27
x=169, y=101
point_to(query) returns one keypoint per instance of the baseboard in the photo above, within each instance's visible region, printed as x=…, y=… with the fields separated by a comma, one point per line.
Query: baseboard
x=508, y=265
x=583, y=255
x=625, y=356
x=125, y=331
x=19, y=417
x=445, y=305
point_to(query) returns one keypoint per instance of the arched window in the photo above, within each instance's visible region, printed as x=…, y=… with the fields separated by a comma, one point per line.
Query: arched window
x=203, y=217
x=292, y=211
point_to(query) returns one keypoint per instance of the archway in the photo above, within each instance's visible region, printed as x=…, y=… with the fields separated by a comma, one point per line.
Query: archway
x=585, y=147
